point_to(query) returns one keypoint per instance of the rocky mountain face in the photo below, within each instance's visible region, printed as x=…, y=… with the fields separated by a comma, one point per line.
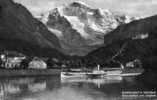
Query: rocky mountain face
x=20, y=31
x=80, y=28
x=136, y=40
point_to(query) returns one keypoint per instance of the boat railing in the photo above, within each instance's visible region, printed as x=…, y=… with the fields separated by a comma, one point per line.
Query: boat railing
x=108, y=69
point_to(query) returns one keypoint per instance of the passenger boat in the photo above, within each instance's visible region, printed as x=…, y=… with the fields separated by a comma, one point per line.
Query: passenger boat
x=103, y=72
x=73, y=74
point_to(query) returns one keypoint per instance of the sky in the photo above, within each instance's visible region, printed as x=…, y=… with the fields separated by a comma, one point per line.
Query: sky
x=138, y=8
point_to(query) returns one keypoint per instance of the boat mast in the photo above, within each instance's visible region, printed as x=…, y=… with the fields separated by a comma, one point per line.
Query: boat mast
x=98, y=67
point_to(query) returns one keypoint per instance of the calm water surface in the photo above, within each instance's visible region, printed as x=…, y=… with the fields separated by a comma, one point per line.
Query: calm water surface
x=54, y=88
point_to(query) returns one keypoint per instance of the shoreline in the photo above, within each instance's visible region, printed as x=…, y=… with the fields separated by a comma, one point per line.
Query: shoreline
x=43, y=72
x=28, y=72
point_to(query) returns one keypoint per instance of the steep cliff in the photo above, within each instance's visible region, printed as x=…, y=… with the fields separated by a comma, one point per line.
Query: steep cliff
x=20, y=31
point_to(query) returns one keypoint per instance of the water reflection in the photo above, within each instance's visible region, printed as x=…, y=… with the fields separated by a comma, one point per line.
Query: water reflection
x=54, y=88
x=95, y=81
x=35, y=87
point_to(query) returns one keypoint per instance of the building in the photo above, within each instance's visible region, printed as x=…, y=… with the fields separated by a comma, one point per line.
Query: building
x=130, y=64
x=37, y=63
x=10, y=62
x=134, y=63
x=13, y=62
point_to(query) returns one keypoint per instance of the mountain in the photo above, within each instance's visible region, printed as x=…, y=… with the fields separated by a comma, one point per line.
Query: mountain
x=81, y=28
x=20, y=31
x=128, y=42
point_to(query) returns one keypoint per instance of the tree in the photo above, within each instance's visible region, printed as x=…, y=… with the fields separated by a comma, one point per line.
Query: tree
x=25, y=62
x=1, y=62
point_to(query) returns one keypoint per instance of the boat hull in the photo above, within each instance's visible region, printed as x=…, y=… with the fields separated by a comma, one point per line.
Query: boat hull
x=123, y=73
x=72, y=75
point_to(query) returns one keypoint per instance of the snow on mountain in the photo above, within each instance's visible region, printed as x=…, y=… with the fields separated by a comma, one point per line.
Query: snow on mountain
x=56, y=32
x=82, y=3
x=78, y=24
x=99, y=20
x=43, y=17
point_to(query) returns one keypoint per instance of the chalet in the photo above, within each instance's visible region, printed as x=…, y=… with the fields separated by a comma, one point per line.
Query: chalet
x=37, y=63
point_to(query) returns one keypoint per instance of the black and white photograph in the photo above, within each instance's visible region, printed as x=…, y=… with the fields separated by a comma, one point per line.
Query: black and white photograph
x=78, y=49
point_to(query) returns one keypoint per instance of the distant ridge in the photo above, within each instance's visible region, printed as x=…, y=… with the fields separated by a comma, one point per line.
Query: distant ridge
x=136, y=40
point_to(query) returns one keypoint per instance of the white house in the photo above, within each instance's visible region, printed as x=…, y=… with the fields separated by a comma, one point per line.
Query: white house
x=37, y=63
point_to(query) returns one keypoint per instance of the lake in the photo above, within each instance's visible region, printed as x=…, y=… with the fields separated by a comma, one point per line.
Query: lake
x=55, y=88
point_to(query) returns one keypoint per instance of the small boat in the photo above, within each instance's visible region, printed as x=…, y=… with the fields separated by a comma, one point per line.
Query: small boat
x=72, y=74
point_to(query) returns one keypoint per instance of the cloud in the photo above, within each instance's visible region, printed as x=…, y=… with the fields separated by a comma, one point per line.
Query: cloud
x=131, y=7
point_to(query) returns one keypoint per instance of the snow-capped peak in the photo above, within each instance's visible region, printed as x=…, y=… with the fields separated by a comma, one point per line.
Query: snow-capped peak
x=104, y=11
x=60, y=10
x=79, y=18
x=81, y=3
x=78, y=25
